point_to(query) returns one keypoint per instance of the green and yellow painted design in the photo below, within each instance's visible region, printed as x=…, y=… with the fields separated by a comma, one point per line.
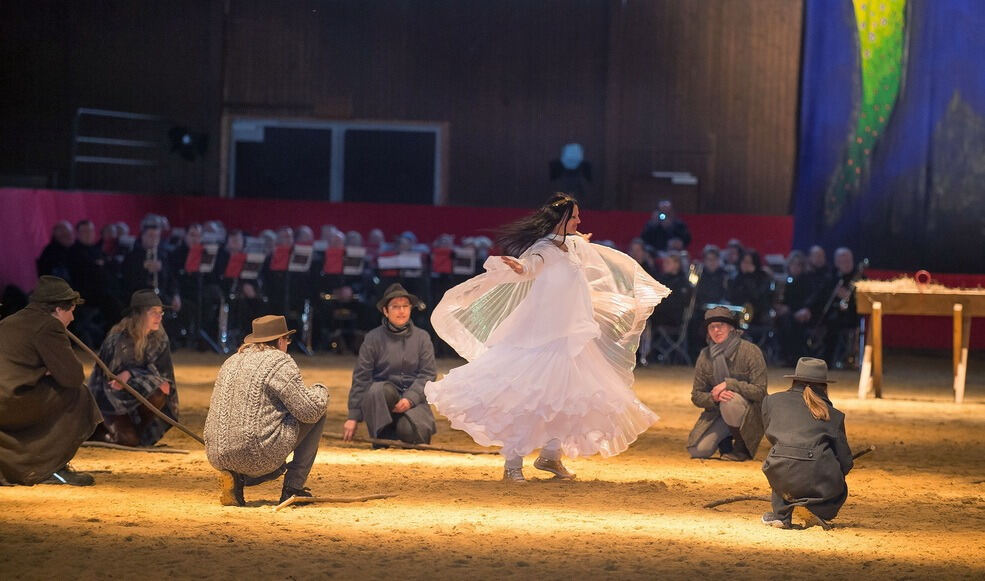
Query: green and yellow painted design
x=881, y=31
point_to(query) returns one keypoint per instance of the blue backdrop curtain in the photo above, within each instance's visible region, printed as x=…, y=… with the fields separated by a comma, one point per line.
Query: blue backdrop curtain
x=917, y=199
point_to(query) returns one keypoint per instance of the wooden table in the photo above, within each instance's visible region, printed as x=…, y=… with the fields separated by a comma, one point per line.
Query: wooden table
x=960, y=304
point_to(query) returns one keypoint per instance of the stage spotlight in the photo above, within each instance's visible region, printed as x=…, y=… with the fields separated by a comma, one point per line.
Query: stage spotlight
x=190, y=145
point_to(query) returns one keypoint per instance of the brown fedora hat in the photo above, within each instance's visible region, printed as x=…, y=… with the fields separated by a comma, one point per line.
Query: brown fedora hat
x=52, y=289
x=395, y=291
x=268, y=328
x=811, y=370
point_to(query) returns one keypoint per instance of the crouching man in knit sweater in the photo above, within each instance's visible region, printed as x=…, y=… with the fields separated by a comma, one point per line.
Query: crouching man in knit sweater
x=260, y=412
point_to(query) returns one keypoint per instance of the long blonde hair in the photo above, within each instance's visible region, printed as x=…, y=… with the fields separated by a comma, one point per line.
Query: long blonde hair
x=259, y=346
x=132, y=325
x=817, y=406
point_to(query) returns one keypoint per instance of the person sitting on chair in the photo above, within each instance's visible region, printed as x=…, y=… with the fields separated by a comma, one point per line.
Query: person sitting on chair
x=729, y=385
x=260, y=412
x=138, y=351
x=45, y=410
x=396, y=360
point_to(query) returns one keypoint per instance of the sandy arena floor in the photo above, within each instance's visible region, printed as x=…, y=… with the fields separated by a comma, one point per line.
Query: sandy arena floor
x=916, y=507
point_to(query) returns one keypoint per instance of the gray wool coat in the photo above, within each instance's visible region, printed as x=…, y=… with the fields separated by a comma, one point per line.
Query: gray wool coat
x=809, y=459
x=747, y=377
x=258, y=402
x=405, y=360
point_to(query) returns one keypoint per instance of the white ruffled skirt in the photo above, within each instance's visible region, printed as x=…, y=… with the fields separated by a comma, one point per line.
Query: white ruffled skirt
x=562, y=370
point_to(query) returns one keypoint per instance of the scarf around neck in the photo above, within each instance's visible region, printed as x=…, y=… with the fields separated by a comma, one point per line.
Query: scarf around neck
x=721, y=352
x=395, y=329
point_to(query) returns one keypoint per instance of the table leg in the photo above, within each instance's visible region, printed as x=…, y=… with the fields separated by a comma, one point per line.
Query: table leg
x=962, y=336
x=865, y=375
x=877, y=348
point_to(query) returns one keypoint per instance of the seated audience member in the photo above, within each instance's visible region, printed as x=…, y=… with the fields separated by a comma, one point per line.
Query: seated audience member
x=305, y=235
x=642, y=255
x=137, y=350
x=833, y=309
x=752, y=288
x=664, y=225
x=353, y=238
x=792, y=311
x=147, y=266
x=55, y=257
x=45, y=410
x=810, y=456
x=261, y=411
x=200, y=292
x=731, y=255
x=709, y=290
x=90, y=275
x=670, y=311
x=396, y=360
x=729, y=385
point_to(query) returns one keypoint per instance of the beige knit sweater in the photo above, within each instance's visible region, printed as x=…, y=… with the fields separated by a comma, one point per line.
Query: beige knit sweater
x=257, y=403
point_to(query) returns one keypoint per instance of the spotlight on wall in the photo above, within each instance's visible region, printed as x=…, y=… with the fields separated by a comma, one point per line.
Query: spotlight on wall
x=190, y=145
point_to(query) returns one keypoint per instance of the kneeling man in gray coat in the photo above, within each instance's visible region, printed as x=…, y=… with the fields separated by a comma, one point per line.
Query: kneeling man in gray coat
x=260, y=412
x=396, y=360
x=729, y=385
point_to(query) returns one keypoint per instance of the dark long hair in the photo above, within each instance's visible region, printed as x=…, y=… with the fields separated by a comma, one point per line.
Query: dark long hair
x=515, y=237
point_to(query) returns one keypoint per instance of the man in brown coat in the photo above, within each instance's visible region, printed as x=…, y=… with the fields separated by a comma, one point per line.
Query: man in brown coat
x=729, y=385
x=46, y=411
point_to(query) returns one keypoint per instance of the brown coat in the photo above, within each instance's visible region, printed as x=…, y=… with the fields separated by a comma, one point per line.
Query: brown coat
x=46, y=412
x=747, y=377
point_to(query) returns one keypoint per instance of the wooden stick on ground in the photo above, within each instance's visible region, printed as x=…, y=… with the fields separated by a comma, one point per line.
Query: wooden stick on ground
x=330, y=499
x=399, y=444
x=152, y=450
x=732, y=499
x=133, y=391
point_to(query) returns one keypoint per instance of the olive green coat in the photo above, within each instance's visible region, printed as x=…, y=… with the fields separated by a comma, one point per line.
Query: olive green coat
x=46, y=411
x=747, y=377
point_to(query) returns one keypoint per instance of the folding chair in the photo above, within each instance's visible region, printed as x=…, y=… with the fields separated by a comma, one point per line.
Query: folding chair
x=673, y=339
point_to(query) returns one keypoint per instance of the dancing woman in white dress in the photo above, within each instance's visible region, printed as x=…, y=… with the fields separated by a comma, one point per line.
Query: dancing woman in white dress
x=550, y=338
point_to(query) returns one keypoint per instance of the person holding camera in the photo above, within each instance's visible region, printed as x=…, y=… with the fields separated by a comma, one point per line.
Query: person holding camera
x=663, y=226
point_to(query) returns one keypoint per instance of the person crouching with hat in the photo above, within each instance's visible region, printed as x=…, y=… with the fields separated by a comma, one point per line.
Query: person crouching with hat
x=729, y=385
x=262, y=411
x=810, y=456
x=45, y=410
x=396, y=360
x=138, y=351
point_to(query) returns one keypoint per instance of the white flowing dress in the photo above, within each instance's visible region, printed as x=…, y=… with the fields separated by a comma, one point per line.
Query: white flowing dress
x=550, y=352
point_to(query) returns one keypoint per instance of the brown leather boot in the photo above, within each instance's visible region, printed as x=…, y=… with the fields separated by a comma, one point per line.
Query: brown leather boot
x=119, y=430
x=158, y=399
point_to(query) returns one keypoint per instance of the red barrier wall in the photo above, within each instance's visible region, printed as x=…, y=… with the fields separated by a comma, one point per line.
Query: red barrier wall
x=27, y=217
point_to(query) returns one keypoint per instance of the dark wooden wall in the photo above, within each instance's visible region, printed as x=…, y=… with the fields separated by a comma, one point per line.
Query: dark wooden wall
x=706, y=87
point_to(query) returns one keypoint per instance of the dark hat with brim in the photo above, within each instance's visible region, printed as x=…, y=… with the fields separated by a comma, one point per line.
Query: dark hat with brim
x=268, y=328
x=720, y=315
x=144, y=299
x=52, y=289
x=811, y=370
x=395, y=291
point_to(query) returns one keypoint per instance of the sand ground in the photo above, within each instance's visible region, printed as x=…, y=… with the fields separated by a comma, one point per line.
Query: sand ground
x=916, y=507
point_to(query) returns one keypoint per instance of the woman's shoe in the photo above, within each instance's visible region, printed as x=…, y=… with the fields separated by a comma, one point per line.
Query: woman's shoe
x=554, y=467
x=513, y=475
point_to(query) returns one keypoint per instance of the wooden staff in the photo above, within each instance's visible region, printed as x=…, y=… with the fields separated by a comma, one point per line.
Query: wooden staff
x=112, y=376
x=399, y=444
x=731, y=499
x=332, y=499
